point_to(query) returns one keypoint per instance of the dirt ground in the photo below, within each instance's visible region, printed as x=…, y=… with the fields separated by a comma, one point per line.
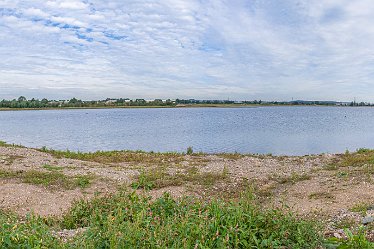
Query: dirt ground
x=307, y=184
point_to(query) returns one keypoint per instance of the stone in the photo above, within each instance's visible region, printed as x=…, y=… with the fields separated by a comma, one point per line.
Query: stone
x=371, y=207
x=337, y=235
x=367, y=220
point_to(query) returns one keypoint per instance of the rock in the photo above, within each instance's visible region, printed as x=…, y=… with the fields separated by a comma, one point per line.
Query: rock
x=367, y=220
x=337, y=235
x=371, y=207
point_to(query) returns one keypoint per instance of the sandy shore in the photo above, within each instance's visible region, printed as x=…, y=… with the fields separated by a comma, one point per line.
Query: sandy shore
x=313, y=186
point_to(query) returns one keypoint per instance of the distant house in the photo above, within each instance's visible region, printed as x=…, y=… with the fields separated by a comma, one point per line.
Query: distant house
x=110, y=101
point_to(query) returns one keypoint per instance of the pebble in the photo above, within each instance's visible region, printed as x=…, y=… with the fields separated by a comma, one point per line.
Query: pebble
x=367, y=220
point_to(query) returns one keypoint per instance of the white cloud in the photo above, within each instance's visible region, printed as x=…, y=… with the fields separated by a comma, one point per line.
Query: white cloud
x=175, y=48
x=68, y=20
x=36, y=12
x=75, y=5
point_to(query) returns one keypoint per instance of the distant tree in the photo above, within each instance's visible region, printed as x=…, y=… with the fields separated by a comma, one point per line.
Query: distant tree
x=22, y=98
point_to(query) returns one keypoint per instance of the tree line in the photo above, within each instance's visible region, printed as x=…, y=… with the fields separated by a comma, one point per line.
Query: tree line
x=23, y=103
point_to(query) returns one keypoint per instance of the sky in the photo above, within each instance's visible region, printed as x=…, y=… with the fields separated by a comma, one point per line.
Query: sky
x=203, y=49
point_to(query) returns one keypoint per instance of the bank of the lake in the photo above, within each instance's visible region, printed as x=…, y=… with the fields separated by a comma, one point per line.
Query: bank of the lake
x=237, y=200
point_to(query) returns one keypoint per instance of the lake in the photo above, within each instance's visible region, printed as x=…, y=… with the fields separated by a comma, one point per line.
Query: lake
x=278, y=130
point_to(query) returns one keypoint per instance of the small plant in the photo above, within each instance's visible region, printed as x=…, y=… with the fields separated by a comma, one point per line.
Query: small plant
x=52, y=168
x=52, y=179
x=321, y=195
x=360, y=208
x=83, y=181
x=189, y=150
x=293, y=178
x=143, y=182
x=353, y=241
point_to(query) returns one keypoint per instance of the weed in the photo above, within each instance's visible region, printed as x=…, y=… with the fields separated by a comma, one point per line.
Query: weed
x=53, y=180
x=8, y=160
x=159, y=178
x=360, y=208
x=127, y=220
x=231, y=156
x=353, y=241
x=139, y=157
x=331, y=167
x=52, y=168
x=32, y=232
x=5, y=144
x=321, y=195
x=293, y=178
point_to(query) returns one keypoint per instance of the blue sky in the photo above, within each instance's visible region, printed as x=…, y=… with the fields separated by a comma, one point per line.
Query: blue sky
x=210, y=49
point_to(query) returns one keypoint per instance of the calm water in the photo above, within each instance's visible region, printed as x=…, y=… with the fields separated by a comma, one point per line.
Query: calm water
x=277, y=130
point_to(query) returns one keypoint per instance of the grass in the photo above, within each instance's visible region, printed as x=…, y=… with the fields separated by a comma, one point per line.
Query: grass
x=292, y=179
x=345, y=223
x=52, y=168
x=139, y=157
x=321, y=195
x=359, y=158
x=52, y=180
x=160, y=178
x=128, y=220
x=358, y=165
x=361, y=208
x=30, y=232
x=353, y=241
x=5, y=144
x=231, y=156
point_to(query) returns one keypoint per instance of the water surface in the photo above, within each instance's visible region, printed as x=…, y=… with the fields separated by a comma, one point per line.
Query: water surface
x=277, y=130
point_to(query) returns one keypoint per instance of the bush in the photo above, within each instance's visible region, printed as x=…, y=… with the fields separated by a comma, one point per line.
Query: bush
x=189, y=150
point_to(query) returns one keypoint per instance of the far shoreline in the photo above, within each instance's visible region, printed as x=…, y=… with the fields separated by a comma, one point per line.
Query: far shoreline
x=168, y=107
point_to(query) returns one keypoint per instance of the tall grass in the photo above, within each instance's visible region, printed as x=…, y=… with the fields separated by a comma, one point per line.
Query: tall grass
x=127, y=220
x=130, y=221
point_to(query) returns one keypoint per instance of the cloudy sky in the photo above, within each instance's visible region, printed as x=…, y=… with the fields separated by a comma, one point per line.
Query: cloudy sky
x=237, y=49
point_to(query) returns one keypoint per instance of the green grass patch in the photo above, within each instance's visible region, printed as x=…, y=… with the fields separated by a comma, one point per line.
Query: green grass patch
x=231, y=156
x=52, y=168
x=9, y=159
x=291, y=179
x=130, y=221
x=361, y=208
x=159, y=178
x=139, y=157
x=5, y=144
x=127, y=220
x=357, y=159
x=353, y=241
x=53, y=180
x=321, y=195
x=30, y=232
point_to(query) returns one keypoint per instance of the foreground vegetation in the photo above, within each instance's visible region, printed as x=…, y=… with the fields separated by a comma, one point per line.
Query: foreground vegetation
x=128, y=220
